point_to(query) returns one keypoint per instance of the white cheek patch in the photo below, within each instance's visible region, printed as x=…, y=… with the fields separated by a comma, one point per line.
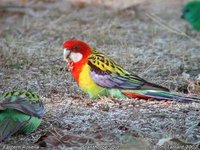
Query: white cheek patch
x=75, y=57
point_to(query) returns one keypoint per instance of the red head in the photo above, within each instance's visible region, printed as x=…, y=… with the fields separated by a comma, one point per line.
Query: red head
x=76, y=55
x=76, y=50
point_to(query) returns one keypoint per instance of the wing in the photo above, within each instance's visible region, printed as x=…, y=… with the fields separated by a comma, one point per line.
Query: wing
x=9, y=126
x=26, y=102
x=106, y=73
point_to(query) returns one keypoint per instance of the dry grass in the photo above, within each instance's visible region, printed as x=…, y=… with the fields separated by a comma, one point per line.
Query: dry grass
x=31, y=58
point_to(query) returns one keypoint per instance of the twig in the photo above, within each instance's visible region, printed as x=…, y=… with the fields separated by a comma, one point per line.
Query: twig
x=170, y=28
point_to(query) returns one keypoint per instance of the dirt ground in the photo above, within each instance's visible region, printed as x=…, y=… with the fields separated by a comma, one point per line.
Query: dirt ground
x=149, y=39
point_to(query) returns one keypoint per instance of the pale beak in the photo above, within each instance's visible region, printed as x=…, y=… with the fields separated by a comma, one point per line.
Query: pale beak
x=182, y=16
x=66, y=54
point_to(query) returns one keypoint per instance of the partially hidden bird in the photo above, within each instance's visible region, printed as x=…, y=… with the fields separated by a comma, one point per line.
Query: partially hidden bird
x=191, y=13
x=20, y=112
x=98, y=75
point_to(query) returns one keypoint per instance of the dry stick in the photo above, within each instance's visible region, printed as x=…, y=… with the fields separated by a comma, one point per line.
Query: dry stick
x=170, y=28
x=146, y=70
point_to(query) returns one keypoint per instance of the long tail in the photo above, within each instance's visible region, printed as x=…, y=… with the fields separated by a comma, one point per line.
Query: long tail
x=8, y=127
x=159, y=95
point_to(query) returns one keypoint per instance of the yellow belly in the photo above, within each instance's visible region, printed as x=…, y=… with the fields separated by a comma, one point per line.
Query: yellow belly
x=88, y=85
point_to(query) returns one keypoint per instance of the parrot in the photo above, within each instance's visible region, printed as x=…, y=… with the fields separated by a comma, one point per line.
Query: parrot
x=191, y=13
x=20, y=112
x=98, y=75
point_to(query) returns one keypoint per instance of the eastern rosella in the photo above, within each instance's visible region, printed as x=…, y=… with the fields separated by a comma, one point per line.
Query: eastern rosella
x=98, y=75
x=20, y=112
x=191, y=13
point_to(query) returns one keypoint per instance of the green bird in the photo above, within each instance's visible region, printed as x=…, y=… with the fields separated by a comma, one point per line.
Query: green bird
x=20, y=112
x=191, y=13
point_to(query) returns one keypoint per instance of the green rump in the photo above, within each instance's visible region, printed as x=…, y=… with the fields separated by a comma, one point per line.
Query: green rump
x=20, y=111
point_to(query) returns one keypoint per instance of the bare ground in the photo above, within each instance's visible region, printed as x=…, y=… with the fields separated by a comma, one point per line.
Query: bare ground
x=31, y=58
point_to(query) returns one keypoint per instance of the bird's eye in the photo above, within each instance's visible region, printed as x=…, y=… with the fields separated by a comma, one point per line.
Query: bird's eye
x=186, y=11
x=77, y=47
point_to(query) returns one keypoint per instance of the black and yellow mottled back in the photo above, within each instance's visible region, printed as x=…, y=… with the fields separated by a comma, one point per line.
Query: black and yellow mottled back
x=25, y=94
x=24, y=101
x=108, y=74
x=104, y=63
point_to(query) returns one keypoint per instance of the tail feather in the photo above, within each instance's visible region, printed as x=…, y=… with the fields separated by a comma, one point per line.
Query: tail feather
x=159, y=95
x=8, y=127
